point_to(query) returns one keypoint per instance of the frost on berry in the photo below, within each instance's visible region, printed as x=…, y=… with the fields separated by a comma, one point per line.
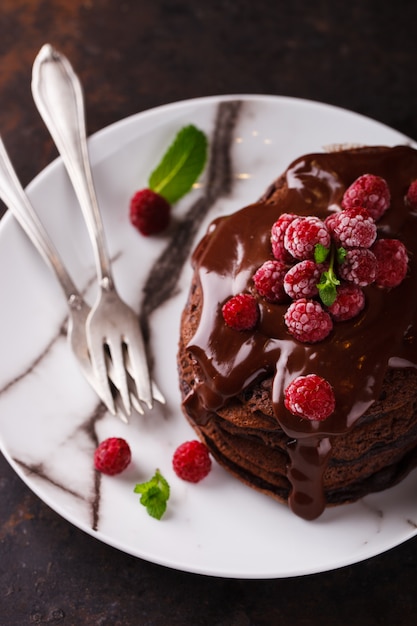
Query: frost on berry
x=307, y=321
x=354, y=228
x=277, y=237
x=370, y=192
x=411, y=197
x=350, y=301
x=329, y=221
x=269, y=281
x=191, y=461
x=392, y=262
x=301, y=280
x=241, y=312
x=311, y=397
x=302, y=236
x=359, y=266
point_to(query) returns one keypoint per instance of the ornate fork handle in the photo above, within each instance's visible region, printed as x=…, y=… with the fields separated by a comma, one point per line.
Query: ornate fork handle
x=55, y=83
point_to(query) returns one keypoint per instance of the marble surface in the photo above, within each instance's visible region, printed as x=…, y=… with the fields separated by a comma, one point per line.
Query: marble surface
x=132, y=56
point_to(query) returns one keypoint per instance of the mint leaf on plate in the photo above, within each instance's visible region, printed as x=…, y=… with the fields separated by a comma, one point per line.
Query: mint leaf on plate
x=181, y=165
x=154, y=495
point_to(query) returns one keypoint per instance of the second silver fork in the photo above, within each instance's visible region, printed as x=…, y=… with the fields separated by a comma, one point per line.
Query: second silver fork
x=113, y=329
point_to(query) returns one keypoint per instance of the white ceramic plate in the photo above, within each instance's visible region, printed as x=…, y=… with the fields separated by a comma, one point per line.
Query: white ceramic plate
x=48, y=418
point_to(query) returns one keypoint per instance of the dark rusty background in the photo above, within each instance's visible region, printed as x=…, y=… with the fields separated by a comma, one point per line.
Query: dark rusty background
x=132, y=55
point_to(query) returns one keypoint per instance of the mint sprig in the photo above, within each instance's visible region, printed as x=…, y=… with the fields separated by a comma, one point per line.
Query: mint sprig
x=328, y=280
x=181, y=164
x=154, y=495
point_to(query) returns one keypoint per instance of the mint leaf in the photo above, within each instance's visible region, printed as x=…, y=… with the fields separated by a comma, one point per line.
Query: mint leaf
x=181, y=165
x=341, y=255
x=327, y=288
x=154, y=494
x=320, y=253
x=328, y=282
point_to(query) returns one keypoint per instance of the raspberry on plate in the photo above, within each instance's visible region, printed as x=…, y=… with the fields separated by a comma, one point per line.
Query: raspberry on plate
x=149, y=212
x=354, y=228
x=191, y=461
x=307, y=321
x=112, y=456
x=241, y=312
x=311, y=397
x=370, y=192
x=392, y=262
x=269, y=280
x=303, y=234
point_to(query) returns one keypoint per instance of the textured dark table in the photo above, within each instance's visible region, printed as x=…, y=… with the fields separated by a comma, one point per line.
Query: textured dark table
x=133, y=55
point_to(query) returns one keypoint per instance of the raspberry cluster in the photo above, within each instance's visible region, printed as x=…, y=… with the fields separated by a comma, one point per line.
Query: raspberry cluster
x=320, y=267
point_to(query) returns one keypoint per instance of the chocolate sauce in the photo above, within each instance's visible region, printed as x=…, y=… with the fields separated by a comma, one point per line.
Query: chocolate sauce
x=355, y=356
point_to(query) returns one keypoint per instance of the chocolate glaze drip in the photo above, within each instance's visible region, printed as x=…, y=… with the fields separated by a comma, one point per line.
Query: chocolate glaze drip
x=354, y=358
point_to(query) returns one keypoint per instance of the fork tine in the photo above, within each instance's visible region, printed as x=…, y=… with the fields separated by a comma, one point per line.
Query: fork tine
x=131, y=385
x=117, y=357
x=98, y=363
x=119, y=404
x=137, y=367
x=157, y=394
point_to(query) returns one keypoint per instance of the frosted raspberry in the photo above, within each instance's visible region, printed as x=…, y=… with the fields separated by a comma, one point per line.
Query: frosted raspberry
x=112, y=456
x=301, y=280
x=310, y=397
x=277, y=237
x=307, y=321
x=191, y=461
x=329, y=221
x=354, y=228
x=241, y=312
x=370, y=192
x=149, y=212
x=269, y=281
x=359, y=267
x=392, y=262
x=350, y=301
x=411, y=196
x=303, y=234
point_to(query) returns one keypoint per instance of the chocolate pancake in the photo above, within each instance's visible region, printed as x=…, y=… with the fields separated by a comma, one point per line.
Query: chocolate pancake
x=232, y=382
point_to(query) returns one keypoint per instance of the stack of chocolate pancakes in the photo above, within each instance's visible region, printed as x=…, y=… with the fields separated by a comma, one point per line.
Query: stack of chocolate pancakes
x=233, y=382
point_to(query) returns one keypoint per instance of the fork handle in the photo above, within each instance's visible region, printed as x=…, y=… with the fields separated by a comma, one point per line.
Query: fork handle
x=13, y=195
x=58, y=95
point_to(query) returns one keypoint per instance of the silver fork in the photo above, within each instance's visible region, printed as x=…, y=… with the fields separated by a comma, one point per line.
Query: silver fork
x=15, y=198
x=113, y=330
